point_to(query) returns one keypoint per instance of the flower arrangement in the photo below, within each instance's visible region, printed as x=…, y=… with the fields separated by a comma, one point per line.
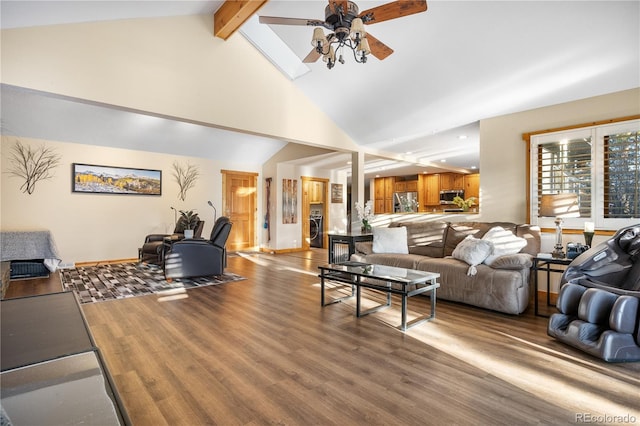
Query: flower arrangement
x=464, y=204
x=365, y=214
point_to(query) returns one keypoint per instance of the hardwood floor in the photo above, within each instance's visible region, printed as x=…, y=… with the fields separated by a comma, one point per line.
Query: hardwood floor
x=263, y=351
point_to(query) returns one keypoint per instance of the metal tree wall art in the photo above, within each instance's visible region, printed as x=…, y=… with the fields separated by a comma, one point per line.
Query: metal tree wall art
x=186, y=177
x=32, y=164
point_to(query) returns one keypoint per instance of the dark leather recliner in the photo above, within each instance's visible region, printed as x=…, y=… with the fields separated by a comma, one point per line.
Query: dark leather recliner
x=199, y=258
x=599, y=302
x=152, y=251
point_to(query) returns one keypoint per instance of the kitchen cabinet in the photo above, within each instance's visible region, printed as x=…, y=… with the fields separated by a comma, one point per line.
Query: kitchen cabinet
x=412, y=186
x=449, y=181
x=432, y=190
x=401, y=186
x=383, y=193
x=472, y=186
x=316, y=192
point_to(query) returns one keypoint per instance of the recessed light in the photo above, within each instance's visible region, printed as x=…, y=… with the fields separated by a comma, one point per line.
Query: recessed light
x=462, y=137
x=349, y=162
x=443, y=161
x=473, y=167
x=408, y=152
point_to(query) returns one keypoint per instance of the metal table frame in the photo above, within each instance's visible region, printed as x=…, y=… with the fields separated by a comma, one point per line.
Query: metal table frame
x=545, y=264
x=359, y=275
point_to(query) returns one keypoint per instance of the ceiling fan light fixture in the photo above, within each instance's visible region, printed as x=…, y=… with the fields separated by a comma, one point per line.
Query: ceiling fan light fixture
x=330, y=57
x=363, y=48
x=319, y=40
x=357, y=29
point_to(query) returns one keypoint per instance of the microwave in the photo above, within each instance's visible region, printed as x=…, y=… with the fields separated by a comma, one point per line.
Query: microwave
x=446, y=197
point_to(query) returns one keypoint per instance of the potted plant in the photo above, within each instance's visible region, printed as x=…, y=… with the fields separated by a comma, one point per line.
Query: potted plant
x=190, y=220
x=464, y=204
x=365, y=215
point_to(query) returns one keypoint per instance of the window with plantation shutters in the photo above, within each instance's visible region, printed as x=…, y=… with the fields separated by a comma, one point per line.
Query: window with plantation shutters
x=597, y=168
x=621, y=175
x=564, y=166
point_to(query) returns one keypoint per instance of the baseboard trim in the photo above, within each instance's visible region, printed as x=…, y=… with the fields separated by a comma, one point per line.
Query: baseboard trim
x=105, y=262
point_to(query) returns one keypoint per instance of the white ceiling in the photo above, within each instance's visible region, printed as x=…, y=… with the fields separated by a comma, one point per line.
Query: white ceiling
x=455, y=64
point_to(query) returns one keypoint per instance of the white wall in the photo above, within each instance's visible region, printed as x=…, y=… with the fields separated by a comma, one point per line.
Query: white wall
x=96, y=227
x=503, y=153
x=170, y=66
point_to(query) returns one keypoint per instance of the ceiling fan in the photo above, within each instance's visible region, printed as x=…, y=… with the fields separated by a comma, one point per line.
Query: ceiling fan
x=345, y=20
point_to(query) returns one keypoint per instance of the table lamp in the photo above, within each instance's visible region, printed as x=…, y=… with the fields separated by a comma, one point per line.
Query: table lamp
x=589, y=228
x=559, y=206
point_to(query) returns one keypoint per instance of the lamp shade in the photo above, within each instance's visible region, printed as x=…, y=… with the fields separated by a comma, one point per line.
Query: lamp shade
x=357, y=29
x=562, y=205
x=363, y=47
x=319, y=39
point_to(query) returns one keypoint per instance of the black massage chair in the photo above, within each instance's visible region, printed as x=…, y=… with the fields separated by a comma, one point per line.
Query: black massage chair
x=599, y=300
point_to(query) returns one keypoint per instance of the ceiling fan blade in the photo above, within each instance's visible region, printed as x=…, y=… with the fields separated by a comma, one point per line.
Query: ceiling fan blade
x=274, y=20
x=378, y=48
x=312, y=56
x=393, y=10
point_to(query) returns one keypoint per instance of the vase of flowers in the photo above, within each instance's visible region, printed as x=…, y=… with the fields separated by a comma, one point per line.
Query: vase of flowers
x=365, y=215
x=464, y=204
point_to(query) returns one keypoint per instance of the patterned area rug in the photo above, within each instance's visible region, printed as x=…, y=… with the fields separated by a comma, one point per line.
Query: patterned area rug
x=122, y=280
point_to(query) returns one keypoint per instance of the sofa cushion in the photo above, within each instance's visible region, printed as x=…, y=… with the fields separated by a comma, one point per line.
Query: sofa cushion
x=390, y=240
x=456, y=232
x=504, y=242
x=531, y=233
x=473, y=251
x=424, y=237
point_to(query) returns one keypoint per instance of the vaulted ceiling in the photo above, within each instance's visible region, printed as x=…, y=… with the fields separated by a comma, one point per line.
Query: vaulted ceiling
x=453, y=65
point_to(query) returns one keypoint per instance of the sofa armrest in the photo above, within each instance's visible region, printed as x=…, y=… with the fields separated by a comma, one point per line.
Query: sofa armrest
x=161, y=237
x=513, y=261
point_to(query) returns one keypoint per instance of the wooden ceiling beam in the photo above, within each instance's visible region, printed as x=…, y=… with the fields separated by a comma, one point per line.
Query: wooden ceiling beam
x=232, y=14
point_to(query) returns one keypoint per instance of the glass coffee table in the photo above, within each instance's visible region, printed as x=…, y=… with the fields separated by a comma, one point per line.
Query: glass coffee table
x=386, y=279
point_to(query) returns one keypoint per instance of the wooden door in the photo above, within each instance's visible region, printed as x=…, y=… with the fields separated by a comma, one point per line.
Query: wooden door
x=239, y=201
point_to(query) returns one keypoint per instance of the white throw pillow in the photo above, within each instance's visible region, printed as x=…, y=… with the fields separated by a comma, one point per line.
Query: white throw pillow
x=472, y=251
x=390, y=240
x=504, y=242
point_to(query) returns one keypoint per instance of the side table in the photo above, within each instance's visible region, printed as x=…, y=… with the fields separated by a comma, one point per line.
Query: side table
x=342, y=246
x=547, y=264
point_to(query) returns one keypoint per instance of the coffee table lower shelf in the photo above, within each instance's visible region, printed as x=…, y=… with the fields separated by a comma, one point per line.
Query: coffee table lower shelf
x=385, y=279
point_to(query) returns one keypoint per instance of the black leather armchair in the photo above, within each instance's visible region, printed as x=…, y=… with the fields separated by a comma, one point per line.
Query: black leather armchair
x=199, y=258
x=152, y=251
x=599, y=302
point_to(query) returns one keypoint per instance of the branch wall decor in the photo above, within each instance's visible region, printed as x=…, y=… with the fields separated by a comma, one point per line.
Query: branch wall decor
x=186, y=176
x=32, y=164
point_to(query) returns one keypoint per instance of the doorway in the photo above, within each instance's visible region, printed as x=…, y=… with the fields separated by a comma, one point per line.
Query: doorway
x=314, y=212
x=239, y=201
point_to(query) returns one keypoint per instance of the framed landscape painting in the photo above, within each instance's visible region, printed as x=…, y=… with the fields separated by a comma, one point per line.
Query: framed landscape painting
x=115, y=180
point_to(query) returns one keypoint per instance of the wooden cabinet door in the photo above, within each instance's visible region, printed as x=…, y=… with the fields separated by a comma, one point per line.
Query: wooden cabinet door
x=389, y=187
x=432, y=190
x=378, y=185
x=472, y=186
x=458, y=181
x=378, y=206
x=412, y=186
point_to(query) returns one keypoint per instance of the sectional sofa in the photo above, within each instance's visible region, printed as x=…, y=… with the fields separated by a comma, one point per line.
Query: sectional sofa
x=499, y=283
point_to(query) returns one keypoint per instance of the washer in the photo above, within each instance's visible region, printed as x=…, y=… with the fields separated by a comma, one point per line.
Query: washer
x=315, y=231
